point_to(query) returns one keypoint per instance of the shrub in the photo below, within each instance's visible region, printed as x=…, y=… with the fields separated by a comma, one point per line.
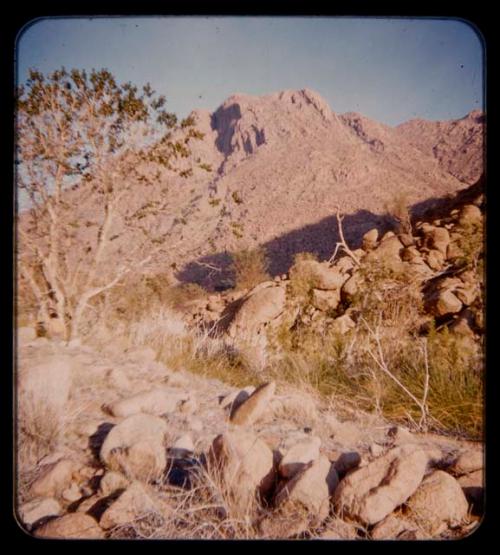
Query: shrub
x=398, y=208
x=250, y=267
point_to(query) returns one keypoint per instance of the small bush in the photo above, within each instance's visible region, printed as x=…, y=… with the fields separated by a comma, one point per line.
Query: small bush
x=301, y=279
x=398, y=208
x=250, y=267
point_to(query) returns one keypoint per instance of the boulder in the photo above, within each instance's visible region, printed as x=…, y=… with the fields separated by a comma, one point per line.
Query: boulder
x=370, y=239
x=344, y=264
x=438, y=502
x=111, y=482
x=54, y=478
x=411, y=254
x=371, y=492
x=347, y=461
x=388, y=251
x=467, y=462
x=438, y=238
x=466, y=295
x=391, y=528
x=252, y=409
x=133, y=504
x=136, y=447
x=37, y=509
x=157, y=401
x=325, y=300
x=320, y=274
x=71, y=526
x=257, y=310
x=298, y=456
x=444, y=302
x=470, y=214
x=309, y=490
x=72, y=493
x=350, y=287
x=337, y=529
x=235, y=398
x=406, y=239
x=435, y=259
x=244, y=465
x=343, y=324
x=473, y=487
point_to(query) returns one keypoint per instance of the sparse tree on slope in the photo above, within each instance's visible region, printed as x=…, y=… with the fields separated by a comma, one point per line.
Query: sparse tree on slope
x=84, y=144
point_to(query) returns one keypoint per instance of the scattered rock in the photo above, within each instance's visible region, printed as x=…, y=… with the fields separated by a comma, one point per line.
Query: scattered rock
x=370, y=239
x=234, y=399
x=71, y=525
x=343, y=324
x=438, y=238
x=372, y=492
x=445, y=302
x=133, y=505
x=346, y=462
x=245, y=466
x=157, y=401
x=111, y=482
x=435, y=259
x=252, y=409
x=258, y=309
x=309, y=490
x=470, y=214
x=72, y=493
x=320, y=274
x=467, y=462
x=439, y=501
x=391, y=528
x=337, y=529
x=55, y=478
x=136, y=447
x=37, y=509
x=473, y=487
x=298, y=456
x=325, y=300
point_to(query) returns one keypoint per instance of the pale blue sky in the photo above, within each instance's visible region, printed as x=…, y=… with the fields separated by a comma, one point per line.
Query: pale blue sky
x=387, y=69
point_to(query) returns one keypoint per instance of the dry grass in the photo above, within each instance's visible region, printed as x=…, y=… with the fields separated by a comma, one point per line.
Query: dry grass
x=250, y=268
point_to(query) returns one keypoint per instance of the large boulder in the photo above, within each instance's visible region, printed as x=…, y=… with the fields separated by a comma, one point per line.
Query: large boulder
x=136, y=447
x=244, y=465
x=444, y=302
x=258, y=309
x=71, y=526
x=250, y=410
x=373, y=491
x=438, y=502
x=470, y=214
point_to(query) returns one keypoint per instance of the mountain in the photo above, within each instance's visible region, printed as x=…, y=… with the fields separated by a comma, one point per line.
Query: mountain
x=275, y=169
x=284, y=162
x=457, y=145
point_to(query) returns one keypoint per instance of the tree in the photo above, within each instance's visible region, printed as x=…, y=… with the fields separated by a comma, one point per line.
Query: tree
x=84, y=145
